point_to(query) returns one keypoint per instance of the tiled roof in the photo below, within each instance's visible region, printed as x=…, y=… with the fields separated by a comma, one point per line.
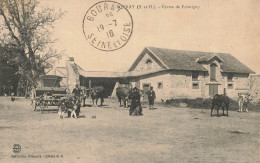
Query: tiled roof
x=190, y=60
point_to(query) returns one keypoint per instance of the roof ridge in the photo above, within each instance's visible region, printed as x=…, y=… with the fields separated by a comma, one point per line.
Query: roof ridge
x=187, y=60
x=157, y=58
x=105, y=71
x=187, y=50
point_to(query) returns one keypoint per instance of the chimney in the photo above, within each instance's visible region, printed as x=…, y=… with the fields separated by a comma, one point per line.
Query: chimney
x=71, y=59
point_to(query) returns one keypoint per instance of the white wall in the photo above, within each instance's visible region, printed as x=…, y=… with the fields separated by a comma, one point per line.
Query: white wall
x=72, y=77
x=142, y=64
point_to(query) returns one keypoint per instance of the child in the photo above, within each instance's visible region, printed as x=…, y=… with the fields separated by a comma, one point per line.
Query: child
x=62, y=108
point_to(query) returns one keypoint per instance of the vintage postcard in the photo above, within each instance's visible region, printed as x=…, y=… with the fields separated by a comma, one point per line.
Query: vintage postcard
x=121, y=81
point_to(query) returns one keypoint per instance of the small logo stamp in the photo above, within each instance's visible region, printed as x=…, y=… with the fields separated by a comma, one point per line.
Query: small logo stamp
x=17, y=148
x=107, y=25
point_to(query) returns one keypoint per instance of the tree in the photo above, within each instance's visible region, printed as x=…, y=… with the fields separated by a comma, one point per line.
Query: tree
x=26, y=37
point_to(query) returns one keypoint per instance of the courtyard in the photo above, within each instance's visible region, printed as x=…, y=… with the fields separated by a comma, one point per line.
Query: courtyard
x=109, y=134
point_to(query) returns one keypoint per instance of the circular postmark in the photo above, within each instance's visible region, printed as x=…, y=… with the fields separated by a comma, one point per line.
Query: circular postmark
x=107, y=25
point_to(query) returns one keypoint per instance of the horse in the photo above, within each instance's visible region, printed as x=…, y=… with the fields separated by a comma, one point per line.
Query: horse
x=122, y=94
x=220, y=101
x=96, y=93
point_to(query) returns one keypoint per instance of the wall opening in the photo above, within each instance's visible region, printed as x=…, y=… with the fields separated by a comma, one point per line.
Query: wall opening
x=148, y=64
x=160, y=85
x=195, y=76
x=213, y=68
x=230, y=77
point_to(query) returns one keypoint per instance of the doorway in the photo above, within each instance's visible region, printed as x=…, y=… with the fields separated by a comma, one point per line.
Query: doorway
x=213, y=90
x=146, y=88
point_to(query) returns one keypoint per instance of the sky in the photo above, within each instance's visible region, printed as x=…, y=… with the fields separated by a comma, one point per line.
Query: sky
x=216, y=26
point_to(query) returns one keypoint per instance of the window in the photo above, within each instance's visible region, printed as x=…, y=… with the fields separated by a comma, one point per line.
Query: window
x=195, y=76
x=148, y=64
x=230, y=77
x=230, y=86
x=195, y=85
x=213, y=67
x=160, y=85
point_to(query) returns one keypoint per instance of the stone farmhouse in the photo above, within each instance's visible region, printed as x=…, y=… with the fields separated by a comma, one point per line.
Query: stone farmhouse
x=172, y=73
x=189, y=74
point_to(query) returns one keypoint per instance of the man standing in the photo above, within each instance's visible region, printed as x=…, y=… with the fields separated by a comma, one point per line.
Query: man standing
x=76, y=93
x=135, y=108
x=151, y=98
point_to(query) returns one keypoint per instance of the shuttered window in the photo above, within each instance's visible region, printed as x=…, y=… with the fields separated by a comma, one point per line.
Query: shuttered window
x=213, y=72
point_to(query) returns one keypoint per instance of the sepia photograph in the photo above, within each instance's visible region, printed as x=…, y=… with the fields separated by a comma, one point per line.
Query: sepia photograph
x=122, y=81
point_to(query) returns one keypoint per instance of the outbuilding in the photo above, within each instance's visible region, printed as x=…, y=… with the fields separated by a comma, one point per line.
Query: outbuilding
x=189, y=74
x=172, y=73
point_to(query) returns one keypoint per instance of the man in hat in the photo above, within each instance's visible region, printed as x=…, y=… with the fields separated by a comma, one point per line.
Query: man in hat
x=76, y=93
x=135, y=108
x=151, y=98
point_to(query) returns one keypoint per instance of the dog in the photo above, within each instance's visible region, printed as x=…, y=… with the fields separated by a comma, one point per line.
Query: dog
x=73, y=109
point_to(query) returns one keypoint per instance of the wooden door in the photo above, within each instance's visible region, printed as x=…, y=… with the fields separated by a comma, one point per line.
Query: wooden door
x=146, y=88
x=213, y=90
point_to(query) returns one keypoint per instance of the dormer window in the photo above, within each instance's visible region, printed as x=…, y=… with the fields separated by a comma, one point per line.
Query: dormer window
x=148, y=64
x=195, y=75
x=213, y=68
x=230, y=77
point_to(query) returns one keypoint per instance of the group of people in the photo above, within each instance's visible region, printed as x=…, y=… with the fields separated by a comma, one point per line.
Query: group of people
x=243, y=100
x=72, y=105
x=136, y=108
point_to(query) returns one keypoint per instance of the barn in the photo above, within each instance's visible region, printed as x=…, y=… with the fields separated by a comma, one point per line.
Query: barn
x=188, y=74
x=74, y=74
x=172, y=73
x=255, y=88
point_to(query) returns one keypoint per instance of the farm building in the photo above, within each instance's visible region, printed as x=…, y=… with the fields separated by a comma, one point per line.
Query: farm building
x=73, y=74
x=255, y=87
x=189, y=74
x=172, y=73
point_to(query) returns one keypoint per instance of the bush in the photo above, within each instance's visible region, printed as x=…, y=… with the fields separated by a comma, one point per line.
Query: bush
x=206, y=104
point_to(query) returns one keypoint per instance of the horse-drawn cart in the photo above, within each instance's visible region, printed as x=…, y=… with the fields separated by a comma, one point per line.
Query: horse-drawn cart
x=48, y=92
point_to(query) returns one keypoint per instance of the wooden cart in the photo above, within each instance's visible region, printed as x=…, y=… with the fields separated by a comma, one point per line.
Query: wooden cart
x=48, y=93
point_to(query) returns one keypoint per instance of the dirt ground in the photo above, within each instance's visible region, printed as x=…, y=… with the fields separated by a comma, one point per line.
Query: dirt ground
x=167, y=134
